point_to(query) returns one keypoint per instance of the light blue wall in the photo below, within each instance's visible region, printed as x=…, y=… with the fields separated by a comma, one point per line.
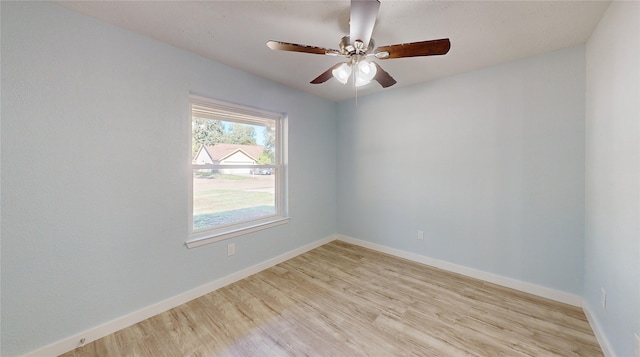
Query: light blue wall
x=489, y=164
x=612, y=259
x=95, y=171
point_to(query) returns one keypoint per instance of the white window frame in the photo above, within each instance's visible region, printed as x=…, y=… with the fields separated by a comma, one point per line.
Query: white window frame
x=220, y=110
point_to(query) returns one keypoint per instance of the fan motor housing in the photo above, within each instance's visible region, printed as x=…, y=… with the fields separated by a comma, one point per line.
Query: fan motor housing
x=356, y=48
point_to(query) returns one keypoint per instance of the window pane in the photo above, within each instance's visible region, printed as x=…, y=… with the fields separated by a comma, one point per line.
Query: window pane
x=228, y=196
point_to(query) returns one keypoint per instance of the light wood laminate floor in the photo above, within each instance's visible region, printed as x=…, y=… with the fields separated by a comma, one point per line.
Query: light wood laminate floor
x=345, y=300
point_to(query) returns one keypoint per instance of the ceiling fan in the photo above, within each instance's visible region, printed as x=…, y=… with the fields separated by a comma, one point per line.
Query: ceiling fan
x=358, y=46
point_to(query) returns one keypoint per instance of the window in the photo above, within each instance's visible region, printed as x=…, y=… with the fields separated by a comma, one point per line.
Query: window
x=238, y=172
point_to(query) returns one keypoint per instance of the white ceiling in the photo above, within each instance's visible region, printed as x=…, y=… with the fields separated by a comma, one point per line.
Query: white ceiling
x=482, y=33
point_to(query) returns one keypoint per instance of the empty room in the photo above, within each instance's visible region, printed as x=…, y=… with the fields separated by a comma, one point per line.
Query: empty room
x=320, y=178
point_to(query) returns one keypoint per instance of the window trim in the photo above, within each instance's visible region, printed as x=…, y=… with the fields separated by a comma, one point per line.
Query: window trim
x=225, y=111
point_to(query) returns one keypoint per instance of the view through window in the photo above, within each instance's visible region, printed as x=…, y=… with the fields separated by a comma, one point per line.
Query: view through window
x=237, y=168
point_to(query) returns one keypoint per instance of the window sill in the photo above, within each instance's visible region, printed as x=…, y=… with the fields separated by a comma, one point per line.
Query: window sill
x=196, y=242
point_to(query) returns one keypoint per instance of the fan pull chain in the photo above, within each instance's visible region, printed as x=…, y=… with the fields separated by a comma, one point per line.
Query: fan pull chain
x=356, y=88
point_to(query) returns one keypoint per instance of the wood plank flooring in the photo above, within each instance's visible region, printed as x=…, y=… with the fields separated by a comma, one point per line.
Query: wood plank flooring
x=345, y=300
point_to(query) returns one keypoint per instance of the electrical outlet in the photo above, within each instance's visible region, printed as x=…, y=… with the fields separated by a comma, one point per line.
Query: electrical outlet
x=636, y=344
x=231, y=249
x=420, y=235
x=603, y=298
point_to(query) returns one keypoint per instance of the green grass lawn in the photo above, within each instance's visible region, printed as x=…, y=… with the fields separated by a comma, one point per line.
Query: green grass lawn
x=220, y=207
x=207, y=220
x=220, y=176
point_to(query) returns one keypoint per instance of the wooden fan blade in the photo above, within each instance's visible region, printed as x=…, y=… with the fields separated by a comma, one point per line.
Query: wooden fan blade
x=414, y=49
x=285, y=46
x=325, y=76
x=383, y=77
x=363, y=19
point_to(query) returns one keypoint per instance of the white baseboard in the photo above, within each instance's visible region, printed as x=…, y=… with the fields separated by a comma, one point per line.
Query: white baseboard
x=530, y=288
x=597, y=330
x=70, y=343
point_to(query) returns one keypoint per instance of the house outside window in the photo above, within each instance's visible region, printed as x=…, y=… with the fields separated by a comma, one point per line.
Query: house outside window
x=238, y=182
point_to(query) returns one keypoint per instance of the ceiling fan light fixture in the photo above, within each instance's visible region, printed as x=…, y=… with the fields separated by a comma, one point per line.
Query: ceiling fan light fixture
x=342, y=73
x=365, y=73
